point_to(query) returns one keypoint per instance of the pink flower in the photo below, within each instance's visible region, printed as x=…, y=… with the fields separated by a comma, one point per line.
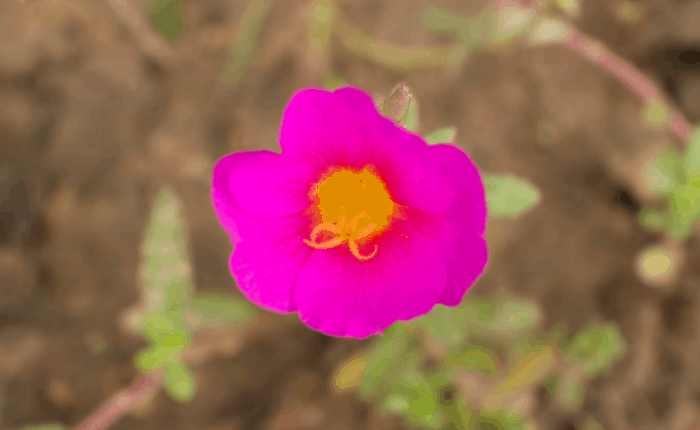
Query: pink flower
x=358, y=223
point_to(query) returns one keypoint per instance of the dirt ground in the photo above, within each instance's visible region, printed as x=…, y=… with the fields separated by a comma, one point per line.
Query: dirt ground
x=94, y=118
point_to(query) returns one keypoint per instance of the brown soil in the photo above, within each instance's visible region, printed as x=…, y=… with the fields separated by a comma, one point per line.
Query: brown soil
x=94, y=120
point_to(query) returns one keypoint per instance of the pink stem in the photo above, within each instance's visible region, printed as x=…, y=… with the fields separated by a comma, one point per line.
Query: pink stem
x=606, y=60
x=121, y=402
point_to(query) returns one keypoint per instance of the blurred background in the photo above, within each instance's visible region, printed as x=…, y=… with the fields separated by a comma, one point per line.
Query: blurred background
x=105, y=102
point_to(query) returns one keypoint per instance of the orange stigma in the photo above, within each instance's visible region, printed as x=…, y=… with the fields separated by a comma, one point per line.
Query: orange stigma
x=354, y=207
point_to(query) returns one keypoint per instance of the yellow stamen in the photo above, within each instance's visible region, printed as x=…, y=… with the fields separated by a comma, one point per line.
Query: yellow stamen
x=345, y=198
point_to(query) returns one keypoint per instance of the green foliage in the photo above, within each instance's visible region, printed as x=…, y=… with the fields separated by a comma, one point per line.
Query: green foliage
x=167, y=17
x=411, y=123
x=172, y=312
x=508, y=196
x=441, y=135
x=569, y=392
x=492, y=339
x=333, y=81
x=675, y=177
x=179, y=382
x=595, y=349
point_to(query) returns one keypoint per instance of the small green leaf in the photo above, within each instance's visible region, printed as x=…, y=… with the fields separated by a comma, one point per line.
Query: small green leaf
x=655, y=112
x=472, y=357
x=214, y=309
x=412, y=122
x=532, y=369
x=686, y=199
x=442, y=135
x=663, y=173
x=692, y=154
x=165, y=268
x=510, y=22
x=155, y=356
x=445, y=323
x=385, y=352
x=395, y=403
x=570, y=393
x=597, y=348
x=179, y=382
x=501, y=420
x=653, y=219
x=333, y=81
x=508, y=196
x=167, y=17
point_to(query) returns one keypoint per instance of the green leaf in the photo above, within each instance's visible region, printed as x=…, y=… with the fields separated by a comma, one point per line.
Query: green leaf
x=655, y=112
x=445, y=323
x=179, y=382
x=165, y=267
x=597, y=348
x=570, y=393
x=472, y=357
x=167, y=17
x=160, y=330
x=532, y=369
x=686, y=200
x=653, y=219
x=663, y=173
x=501, y=420
x=424, y=409
x=508, y=196
x=412, y=122
x=691, y=162
x=442, y=135
x=388, y=350
x=216, y=309
x=155, y=356
x=510, y=22
x=333, y=81
x=395, y=403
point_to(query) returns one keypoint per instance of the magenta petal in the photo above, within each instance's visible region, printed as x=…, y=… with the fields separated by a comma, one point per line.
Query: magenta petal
x=231, y=216
x=466, y=260
x=322, y=129
x=269, y=186
x=342, y=296
x=268, y=253
x=266, y=262
x=469, y=211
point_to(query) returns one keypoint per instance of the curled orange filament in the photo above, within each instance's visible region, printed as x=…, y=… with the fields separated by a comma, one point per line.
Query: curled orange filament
x=344, y=198
x=341, y=236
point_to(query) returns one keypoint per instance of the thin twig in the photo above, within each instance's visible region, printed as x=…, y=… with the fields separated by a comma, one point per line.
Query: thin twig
x=121, y=402
x=624, y=71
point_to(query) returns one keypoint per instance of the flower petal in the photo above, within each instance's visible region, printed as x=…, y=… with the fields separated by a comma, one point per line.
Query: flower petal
x=323, y=129
x=231, y=216
x=342, y=296
x=268, y=253
x=267, y=261
x=268, y=185
x=466, y=260
x=462, y=250
x=469, y=211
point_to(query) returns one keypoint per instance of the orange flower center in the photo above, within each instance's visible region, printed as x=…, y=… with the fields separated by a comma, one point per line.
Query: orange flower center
x=354, y=207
